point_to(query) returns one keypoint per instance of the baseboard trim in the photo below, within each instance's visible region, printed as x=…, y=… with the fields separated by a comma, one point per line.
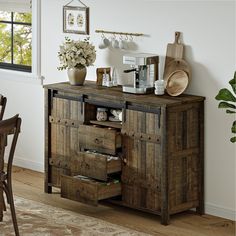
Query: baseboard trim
x=210, y=209
x=220, y=211
x=32, y=165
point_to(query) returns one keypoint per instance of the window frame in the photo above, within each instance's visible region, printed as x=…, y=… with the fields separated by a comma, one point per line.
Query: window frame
x=11, y=65
x=35, y=75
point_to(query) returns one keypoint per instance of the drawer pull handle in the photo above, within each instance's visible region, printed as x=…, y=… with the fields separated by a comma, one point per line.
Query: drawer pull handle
x=97, y=141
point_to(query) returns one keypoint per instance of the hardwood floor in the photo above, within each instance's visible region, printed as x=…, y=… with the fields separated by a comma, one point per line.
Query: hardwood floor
x=29, y=185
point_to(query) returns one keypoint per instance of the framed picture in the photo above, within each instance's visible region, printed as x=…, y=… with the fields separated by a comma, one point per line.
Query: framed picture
x=76, y=20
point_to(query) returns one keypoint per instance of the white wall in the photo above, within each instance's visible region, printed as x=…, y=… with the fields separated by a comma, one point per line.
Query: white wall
x=209, y=35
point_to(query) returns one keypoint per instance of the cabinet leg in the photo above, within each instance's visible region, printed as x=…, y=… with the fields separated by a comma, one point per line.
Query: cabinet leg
x=47, y=189
x=165, y=218
x=200, y=209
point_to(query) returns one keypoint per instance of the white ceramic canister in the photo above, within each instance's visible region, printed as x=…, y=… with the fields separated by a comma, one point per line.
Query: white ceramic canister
x=101, y=114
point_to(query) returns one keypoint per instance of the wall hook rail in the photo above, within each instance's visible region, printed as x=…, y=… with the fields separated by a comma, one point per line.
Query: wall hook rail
x=119, y=33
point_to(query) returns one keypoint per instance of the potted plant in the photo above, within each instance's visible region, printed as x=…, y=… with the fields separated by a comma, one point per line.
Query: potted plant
x=76, y=56
x=228, y=101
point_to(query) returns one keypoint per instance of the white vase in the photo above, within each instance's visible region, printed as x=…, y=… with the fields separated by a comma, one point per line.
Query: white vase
x=77, y=75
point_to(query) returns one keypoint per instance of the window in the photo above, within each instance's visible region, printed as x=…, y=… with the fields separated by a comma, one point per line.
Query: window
x=15, y=35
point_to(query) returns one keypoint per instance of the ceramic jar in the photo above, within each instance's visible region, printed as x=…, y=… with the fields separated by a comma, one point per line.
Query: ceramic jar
x=101, y=114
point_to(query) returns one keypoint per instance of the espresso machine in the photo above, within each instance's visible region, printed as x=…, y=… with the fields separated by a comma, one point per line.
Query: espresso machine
x=145, y=69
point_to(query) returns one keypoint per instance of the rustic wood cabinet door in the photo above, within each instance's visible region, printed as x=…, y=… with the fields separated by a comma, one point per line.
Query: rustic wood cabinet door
x=141, y=174
x=66, y=115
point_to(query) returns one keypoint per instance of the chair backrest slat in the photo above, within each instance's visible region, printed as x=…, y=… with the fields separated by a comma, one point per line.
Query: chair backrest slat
x=9, y=127
x=3, y=101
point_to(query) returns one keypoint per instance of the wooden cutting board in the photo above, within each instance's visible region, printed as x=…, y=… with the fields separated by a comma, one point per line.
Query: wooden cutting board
x=174, y=51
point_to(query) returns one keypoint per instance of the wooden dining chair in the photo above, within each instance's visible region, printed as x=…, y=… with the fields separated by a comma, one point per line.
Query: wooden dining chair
x=3, y=101
x=8, y=127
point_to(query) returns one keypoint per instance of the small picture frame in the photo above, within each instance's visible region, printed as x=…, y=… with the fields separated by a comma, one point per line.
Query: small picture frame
x=76, y=20
x=100, y=72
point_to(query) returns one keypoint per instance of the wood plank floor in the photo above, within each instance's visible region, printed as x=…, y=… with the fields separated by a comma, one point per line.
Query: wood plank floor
x=29, y=185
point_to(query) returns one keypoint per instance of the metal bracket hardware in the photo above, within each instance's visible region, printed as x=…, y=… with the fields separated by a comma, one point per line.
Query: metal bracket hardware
x=143, y=136
x=124, y=111
x=82, y=103
x=159, y=118
x=52, y=95
x=68, y=97
x=66, y=122
x=104, y=103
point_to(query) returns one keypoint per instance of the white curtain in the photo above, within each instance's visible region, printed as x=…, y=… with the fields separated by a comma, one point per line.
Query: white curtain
x=15, y=5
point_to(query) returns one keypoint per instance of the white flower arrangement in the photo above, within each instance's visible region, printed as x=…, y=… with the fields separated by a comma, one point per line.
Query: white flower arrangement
x=76, y=54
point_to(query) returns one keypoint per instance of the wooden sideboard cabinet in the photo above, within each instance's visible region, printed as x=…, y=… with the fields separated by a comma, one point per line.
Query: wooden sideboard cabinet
x=153, y=161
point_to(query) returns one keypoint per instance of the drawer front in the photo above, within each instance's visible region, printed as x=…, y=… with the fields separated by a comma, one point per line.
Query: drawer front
x=87, y=190
x=103, y=140
x=95, y=165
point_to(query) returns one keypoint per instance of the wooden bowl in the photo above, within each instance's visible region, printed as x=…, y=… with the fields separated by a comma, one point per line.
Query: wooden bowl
x=177, y=82
x=176, y=64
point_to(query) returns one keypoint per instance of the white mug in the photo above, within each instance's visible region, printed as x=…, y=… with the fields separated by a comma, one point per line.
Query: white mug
x=123, y=44
x=115, y=43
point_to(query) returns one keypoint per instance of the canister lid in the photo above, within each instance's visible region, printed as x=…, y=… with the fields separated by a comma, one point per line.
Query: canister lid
x=102, y=109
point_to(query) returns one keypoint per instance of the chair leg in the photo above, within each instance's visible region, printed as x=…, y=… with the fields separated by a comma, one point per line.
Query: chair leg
x=2, y=206
x=13, y=213
x=5, y=189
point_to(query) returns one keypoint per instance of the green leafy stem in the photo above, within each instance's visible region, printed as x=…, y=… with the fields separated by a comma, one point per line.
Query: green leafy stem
x=228, y=102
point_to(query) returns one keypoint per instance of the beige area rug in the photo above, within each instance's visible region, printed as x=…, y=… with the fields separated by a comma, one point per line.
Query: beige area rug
x=37, y=219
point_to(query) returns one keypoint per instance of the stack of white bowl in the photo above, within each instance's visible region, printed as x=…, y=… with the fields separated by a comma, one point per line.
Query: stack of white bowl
x=159, y=87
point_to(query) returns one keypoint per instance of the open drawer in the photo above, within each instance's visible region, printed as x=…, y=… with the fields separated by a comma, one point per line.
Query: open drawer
x=95, y=165
x=89, y=191
x=100, y=139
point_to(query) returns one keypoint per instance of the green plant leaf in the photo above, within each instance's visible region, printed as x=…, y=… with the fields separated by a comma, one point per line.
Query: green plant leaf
x=233, y=139
x=233, y=129
x=232, y=82
x=230, y=112
x=225, y=95
x=226, y=105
